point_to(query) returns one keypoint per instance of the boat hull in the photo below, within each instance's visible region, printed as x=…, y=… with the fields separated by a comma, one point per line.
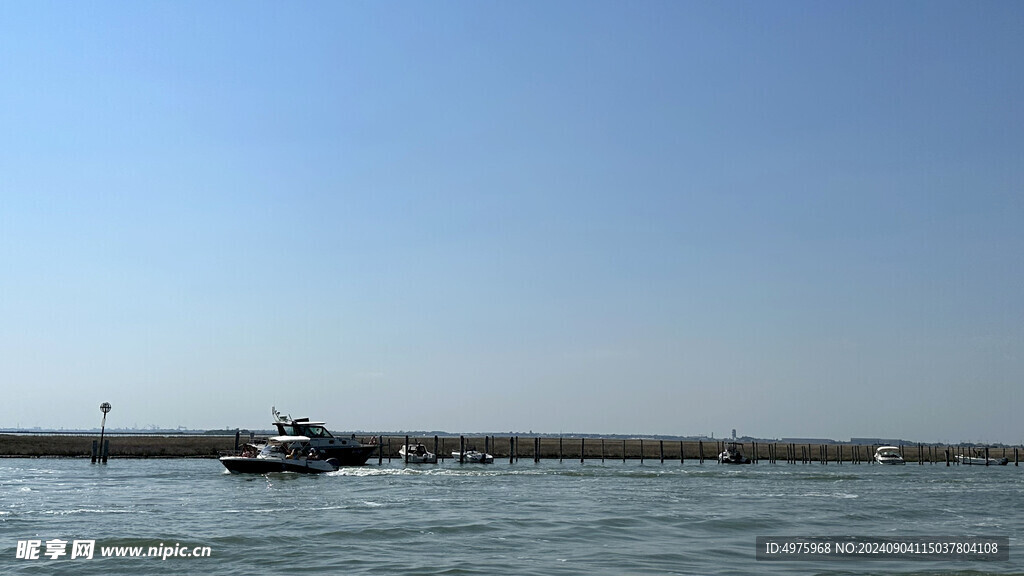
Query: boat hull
x=348, y=455
x=244, y=465
x=974, y=461
x=473, y=457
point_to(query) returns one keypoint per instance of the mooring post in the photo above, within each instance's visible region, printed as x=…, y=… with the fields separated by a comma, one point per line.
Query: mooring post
x=95, y=450
x=380, y=450
x=462, y=449
x=406, y=449
x=105, y=408
x=661, y=449
x=536, y=449
x=700, y=450
x=106, y=450
x=511, y=448
x=435, y=445
x=389, y=449
x=559, y=448
x=986, y=456
x=682, y=456
x=238, y=436
x=947, y=456
x=487, y=444
x=623, y=450
x=641, y=450
x=583, y=449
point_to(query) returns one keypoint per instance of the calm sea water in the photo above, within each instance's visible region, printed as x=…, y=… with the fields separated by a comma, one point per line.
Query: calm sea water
x=518, y=519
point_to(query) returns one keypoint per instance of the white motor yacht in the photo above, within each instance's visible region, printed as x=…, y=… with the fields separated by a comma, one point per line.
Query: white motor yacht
x=417, y=454
x=888, y=455
x=280, y=454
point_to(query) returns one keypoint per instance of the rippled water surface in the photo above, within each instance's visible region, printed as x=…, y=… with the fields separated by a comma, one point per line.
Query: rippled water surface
x=517, y=519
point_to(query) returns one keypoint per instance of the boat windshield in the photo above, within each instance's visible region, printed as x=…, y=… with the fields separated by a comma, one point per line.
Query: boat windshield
x=271, y=450
x=316, y=432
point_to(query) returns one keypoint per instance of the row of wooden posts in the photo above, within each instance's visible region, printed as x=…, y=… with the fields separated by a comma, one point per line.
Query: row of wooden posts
x=601, y=448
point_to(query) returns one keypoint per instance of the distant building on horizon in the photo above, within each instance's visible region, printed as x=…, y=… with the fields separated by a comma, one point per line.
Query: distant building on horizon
x=879, y=441
x=808, y=441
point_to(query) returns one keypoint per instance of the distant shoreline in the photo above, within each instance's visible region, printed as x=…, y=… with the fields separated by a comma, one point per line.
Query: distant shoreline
x=523, y=448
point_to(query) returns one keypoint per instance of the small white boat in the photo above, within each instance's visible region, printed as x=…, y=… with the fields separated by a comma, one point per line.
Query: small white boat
x=979, y=459
x=280, y=454
x=473, y=457
x=417, y=454
x=888, y=455
x=733, y=454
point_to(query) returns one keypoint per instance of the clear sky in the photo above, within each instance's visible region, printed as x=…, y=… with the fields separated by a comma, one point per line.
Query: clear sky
x=788, y=218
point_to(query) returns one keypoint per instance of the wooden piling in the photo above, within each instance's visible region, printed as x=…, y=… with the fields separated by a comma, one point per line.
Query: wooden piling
x=462, y=449
x=559, y=448
x=986, y=455
x=511, y=448
x=380, y=450
x=623, y=450
x=641, y=450
x=583, y=449
x=406, y=448
x=661, y=448
x=536, y=449
x=700, y=450
x=682, y=454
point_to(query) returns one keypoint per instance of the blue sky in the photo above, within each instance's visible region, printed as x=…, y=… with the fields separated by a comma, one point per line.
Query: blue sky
x=793, y=219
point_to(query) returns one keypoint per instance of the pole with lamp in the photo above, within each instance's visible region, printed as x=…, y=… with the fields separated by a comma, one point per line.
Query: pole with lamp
x=103, y=451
